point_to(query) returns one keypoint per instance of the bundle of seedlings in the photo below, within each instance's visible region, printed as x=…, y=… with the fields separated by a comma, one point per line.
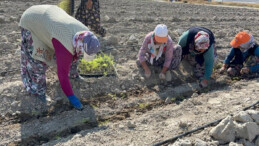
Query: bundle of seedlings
x=102, y=65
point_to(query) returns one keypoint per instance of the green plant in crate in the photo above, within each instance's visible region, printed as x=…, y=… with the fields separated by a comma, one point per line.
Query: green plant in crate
x=102, y=64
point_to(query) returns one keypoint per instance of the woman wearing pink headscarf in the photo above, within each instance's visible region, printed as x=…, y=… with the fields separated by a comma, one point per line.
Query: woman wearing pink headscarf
x=198, y=43
x=49, y=39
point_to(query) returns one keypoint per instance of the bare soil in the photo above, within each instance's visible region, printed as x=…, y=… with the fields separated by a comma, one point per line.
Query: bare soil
x=127, y=109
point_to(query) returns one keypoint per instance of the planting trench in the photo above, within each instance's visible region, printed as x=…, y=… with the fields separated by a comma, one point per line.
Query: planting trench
x=38, y=122
x=127, y=109
x=165, y=120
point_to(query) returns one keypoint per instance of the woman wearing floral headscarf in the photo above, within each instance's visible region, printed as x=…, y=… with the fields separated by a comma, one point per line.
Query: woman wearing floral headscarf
x=198, y=45
x=49, y=39
x=244, y=51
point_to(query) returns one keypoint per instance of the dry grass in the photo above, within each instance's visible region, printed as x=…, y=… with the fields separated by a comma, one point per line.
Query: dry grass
x=219, y=3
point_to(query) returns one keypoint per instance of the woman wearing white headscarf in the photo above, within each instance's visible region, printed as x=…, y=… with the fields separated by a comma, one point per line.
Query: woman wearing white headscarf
x=198, y=44
x=49, y=39
x=158, y=50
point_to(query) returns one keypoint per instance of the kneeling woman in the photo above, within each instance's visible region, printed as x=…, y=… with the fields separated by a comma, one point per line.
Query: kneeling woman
x=158, y=50
x=243, y=57
x=49, y=36
x=198, y=45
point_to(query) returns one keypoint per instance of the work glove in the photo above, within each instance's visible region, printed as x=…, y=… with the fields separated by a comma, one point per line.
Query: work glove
x=75, y=102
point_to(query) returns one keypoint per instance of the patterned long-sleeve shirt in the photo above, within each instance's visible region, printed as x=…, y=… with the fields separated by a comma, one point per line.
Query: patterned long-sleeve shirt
x=168, y=52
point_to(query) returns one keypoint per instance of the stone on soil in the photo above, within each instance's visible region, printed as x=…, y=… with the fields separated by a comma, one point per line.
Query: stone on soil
x=247, y=130
x=182, y=142
x=234, y=144
x=224, y=130
x=168, y=100
x=131, y=125
x=242, y=128
x=112, y=40
x=243, y=117
x=199, y=142
x=254, y=115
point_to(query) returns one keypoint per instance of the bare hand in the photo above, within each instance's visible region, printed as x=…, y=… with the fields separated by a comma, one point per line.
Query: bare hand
x=221, y=70
x=89, y=4
x=204, y=83
x=147, y=73
x=162, y=76
x=245, y=70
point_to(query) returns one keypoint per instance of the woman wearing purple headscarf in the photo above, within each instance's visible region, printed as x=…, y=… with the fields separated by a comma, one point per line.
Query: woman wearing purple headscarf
x=48, y=39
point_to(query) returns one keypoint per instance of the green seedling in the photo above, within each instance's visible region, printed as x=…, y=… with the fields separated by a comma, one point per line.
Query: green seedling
x=173, y=99
x=218, y=66
x=35, y=113
x=205, y=90
x=112, y=96
x=123, y=95
x=180, y=98
x=81, y=121
x=57, y=137
x=102, y=64
x=143, y=105
x=103, y=123
x=236, y=78
x=93, y=106
x=85, y=120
